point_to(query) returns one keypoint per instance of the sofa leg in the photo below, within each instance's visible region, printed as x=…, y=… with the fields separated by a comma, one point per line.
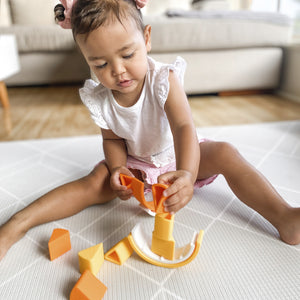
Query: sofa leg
x=3, y=95
x=6, y=107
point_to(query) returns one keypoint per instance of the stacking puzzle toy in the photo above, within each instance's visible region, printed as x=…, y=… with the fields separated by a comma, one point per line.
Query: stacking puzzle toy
x=119, y=253
x=88, y=287
x=91, y=259
x=59, y=243
x=137, y=187
x=160, y=250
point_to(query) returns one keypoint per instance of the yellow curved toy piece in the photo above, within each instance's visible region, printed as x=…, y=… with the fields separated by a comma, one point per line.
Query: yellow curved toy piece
x=141, y=244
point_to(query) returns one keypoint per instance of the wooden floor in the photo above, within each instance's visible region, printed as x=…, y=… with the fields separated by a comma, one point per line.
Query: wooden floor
x=56, y=111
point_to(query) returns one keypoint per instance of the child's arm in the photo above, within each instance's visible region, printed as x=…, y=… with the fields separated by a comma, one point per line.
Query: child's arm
x=116, y=157
x=186, y=145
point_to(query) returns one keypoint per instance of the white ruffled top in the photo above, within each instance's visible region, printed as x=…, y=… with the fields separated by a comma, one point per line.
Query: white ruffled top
x=144, y=126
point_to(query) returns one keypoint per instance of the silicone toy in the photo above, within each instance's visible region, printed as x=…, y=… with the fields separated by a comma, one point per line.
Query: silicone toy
x=59, y=243
x=119, y=253
x=160, y=250
x=137, y=188
x=88, y=287
x=141, y=244
x=163, y=243
x=91, y=259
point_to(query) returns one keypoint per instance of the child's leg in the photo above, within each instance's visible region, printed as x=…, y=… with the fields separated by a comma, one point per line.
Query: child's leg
x=251, y=187
x=59, y=203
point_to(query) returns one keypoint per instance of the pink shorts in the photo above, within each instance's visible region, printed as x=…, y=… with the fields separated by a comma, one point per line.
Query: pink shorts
x=150, y=172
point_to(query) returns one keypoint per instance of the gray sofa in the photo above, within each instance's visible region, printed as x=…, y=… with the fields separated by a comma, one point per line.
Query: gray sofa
x=225, y=51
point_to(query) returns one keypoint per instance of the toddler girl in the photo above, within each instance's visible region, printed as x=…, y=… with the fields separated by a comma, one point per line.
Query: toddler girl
x=147, y=129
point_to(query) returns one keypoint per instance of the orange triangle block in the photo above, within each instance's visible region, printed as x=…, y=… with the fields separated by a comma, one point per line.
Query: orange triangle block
x=88, y=287
x=157, y=191
x=59, y=243
x=119, y=253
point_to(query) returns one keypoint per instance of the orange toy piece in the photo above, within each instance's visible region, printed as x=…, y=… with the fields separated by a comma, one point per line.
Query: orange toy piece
x=88, y=287
x=137, y=188
x=59, y=243
x=157, y=191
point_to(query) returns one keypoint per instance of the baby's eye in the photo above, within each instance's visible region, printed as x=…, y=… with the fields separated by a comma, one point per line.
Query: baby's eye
x=101, y=66
x=128, y=56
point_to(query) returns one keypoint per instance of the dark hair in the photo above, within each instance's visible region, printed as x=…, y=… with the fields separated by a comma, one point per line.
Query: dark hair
x=88, y=15
x=59, y=12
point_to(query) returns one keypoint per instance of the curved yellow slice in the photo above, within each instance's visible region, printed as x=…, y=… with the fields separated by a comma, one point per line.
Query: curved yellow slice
x=141, y=244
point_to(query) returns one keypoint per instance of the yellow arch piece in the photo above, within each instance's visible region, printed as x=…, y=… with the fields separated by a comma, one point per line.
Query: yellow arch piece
x=141, y=244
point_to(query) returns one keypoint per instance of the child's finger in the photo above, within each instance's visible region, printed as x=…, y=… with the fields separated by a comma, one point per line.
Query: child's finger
x=167, y=178
x=175, y=204
x=173, y=188
x=125, y=195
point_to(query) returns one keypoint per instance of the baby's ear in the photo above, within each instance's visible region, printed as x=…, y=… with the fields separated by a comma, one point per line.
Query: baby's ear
x=147, y=37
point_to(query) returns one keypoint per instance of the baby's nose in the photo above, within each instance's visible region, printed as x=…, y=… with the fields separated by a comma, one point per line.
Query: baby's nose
x=118, y=69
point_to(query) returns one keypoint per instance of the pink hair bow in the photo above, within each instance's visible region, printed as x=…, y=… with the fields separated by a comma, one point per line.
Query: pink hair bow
x=140, y=3
x=68, y=5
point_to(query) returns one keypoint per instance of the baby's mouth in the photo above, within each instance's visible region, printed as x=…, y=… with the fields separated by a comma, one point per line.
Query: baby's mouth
x=125, y=83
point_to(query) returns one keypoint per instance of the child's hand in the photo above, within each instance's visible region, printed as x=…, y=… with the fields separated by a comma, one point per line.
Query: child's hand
x=180, y=191
x=122, y=192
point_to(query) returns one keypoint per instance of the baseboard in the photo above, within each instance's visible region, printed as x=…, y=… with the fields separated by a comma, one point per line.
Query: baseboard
x=288, y=96
x=244, y=92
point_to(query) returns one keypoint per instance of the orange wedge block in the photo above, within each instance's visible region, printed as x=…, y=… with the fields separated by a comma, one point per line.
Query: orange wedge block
x=59, y=243
x=88, y=287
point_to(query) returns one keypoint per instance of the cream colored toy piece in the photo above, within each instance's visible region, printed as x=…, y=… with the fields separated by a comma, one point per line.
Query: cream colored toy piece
x=163, y=243
x=91, y=259
x=119, y=253
x=141, y=244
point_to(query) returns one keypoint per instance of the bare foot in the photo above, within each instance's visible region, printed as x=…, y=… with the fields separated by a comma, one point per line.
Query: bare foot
x=290, y=229
x=10, y=233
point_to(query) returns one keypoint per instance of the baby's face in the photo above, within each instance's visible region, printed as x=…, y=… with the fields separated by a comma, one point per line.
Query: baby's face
x=117, y=54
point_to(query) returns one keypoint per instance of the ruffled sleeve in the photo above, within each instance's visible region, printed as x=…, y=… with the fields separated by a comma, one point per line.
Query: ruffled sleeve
x=92, y=94
x=161, y=81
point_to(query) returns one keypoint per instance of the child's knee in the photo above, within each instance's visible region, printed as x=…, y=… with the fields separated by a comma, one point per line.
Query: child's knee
x=98, y=182
x=226, y=153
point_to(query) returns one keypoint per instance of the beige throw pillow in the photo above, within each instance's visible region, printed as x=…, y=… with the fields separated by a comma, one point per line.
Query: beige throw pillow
x=32, y=12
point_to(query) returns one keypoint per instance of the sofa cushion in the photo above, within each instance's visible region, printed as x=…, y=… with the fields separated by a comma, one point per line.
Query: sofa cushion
x=210, y=4
x=27, y=12
x=171, y=34
x=156, y=7
x=226, y=30
x=34, y=38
